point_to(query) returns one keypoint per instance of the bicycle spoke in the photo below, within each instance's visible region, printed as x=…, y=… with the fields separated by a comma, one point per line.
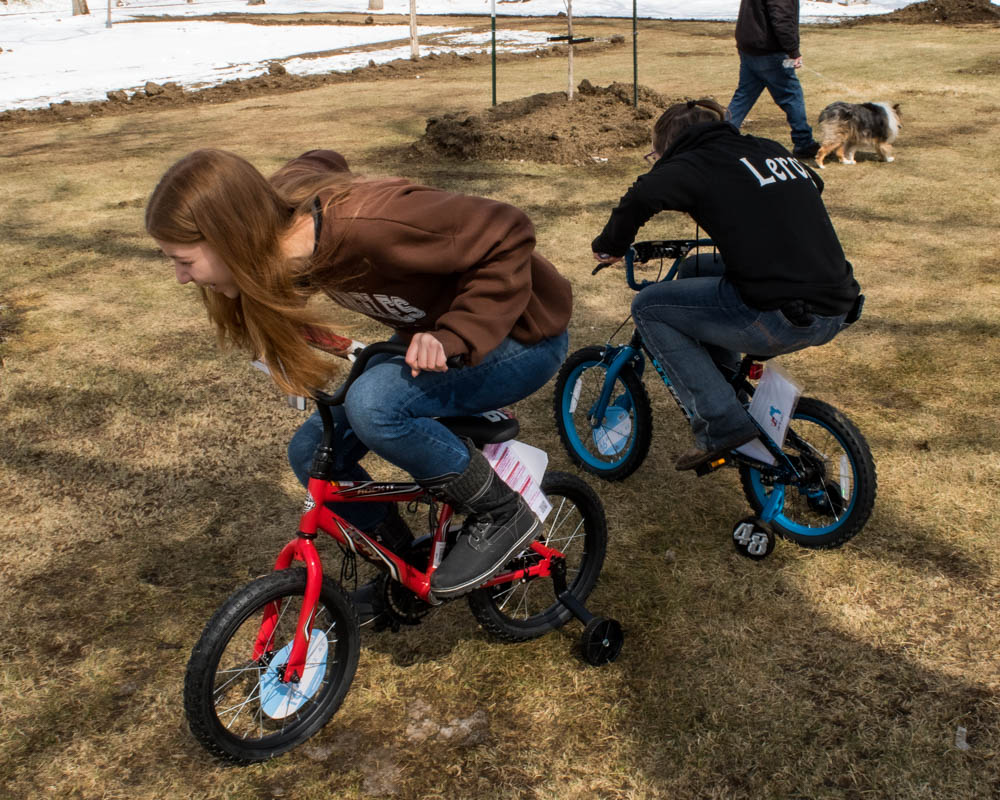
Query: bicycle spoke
x=556, y=521
x=238, y=707
x=521, y=609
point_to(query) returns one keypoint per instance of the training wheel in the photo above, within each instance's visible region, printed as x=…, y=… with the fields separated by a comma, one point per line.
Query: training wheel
x=752, y=540
x=601, y=641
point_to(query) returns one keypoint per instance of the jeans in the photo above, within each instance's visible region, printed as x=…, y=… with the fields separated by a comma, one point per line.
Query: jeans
x=392, y=414
x=684, y=323
x=766, y=71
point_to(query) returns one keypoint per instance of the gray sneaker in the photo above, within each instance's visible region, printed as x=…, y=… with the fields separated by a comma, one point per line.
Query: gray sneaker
x=485, y=545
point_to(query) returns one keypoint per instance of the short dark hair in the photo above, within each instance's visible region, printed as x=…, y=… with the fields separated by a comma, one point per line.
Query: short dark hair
x=683, y=115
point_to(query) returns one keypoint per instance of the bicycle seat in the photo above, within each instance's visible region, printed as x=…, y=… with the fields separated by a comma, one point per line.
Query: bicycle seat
x=492, y=429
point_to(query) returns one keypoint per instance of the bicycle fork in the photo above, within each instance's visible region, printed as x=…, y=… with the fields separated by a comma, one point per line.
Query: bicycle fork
x=299, y=549
x=627, y=356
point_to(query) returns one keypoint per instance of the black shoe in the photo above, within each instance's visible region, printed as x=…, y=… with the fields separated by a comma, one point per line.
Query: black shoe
x=483, y=548
x=809, y=151
x=498, y=526
x=368, y=602
x=395, y=534
x=696, y=457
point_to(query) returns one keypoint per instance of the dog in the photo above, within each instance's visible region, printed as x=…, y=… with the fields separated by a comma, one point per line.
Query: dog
x=845, y=126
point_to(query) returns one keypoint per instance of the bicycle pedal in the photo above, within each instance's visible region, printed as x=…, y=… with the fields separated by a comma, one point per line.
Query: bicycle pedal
x=711, y=466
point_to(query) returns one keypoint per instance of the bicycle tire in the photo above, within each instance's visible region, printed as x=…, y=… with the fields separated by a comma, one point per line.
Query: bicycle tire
x=221, y=677
x=821, y=515
x=609, y=451
x=516, y=612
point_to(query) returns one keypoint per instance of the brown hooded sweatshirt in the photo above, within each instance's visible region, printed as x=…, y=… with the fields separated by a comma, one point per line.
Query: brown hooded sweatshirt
x=420, y=259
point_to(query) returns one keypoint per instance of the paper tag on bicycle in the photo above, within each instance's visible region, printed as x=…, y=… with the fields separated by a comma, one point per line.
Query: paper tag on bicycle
x=521, y=466
x=772, y=406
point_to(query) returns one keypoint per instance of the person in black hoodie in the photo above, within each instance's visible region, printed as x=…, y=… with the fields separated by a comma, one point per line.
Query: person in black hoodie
x=782, y=283
x=767, y=37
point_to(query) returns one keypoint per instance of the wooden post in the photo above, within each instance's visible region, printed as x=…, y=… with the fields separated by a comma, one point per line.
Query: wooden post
x=80, y=7
x=414, y=45
x=375, y=5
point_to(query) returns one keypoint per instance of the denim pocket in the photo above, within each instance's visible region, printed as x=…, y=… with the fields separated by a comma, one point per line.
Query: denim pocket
x=807, y=320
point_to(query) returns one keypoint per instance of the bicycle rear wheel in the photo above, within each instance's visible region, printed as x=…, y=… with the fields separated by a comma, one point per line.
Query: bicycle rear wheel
x=614, y=446
x=835, y=499
x=576, y=526
x=237, y=707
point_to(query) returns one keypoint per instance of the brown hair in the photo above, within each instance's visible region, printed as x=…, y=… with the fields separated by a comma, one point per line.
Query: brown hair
x=216, y=197
x=682, y=115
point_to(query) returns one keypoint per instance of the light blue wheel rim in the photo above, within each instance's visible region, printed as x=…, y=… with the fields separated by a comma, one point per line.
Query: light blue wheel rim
x=797, y=528
x=600, y=465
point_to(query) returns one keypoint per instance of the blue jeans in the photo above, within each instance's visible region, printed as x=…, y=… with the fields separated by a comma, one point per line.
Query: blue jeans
x=760, y=72
x=392, y=414
x=687, y=324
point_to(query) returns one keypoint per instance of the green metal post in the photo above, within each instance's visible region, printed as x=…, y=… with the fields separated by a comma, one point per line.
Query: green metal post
x=635, y=55
x=493, y=16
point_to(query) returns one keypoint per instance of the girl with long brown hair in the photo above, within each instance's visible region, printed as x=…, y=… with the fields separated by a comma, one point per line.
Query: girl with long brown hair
x=452, y=275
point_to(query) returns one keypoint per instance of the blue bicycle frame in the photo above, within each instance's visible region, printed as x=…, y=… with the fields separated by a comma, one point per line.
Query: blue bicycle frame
x=632, y=356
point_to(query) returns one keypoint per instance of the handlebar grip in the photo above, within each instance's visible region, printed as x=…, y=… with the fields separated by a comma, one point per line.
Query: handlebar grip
x=361, y=363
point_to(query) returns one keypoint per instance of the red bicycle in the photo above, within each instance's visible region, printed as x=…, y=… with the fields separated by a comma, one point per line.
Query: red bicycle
x=276, y=660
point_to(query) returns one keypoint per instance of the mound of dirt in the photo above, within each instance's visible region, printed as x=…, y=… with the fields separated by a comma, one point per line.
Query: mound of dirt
x=596, y=124
x=952, y=12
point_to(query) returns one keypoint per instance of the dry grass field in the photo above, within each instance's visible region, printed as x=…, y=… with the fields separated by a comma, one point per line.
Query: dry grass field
x=143, y=475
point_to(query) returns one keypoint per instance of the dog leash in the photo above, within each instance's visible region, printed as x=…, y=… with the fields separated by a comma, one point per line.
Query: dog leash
x=831, y=82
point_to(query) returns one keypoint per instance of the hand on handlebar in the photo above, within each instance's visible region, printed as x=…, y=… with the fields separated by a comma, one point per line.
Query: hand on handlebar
x=425, y=353
x=607, y=259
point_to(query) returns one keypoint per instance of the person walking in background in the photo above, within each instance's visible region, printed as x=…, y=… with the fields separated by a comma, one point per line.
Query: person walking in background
x=767, y=37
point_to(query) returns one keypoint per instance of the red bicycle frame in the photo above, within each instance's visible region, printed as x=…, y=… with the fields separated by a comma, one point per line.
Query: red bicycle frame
x=317, y=517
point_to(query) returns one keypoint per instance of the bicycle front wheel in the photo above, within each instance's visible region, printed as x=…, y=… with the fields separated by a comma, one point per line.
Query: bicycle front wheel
x=613, y=446
x=237, y=706
x=576, y=526
x=834, y=500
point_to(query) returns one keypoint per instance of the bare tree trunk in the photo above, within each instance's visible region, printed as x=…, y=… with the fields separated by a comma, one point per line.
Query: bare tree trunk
x=80, y=7
x=375, y=5
x=569, y=18
x=414, y=45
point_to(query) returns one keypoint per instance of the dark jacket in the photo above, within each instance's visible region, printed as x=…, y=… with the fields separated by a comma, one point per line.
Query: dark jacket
x=463, y=268
x=760, y=205
x=768, y=26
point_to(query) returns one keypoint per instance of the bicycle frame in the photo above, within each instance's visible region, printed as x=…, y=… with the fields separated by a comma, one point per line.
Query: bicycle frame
x=317, y=518
x=633, y=355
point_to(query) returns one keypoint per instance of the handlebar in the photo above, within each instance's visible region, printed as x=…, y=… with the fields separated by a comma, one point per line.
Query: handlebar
x=362, y=357
x=641, y=252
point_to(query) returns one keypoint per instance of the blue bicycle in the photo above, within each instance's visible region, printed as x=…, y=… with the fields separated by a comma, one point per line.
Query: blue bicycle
x=820, y=490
